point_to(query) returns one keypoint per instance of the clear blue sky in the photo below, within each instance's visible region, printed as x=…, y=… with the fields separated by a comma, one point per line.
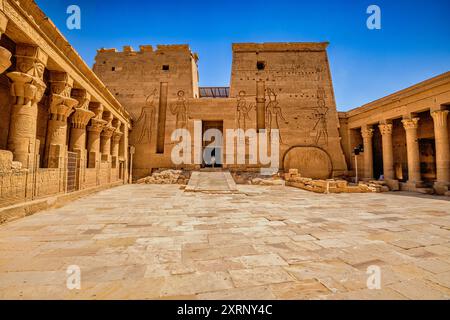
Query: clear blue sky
x=413, y=44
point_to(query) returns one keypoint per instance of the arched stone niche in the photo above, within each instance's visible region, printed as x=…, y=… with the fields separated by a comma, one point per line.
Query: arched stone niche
x=311, y=162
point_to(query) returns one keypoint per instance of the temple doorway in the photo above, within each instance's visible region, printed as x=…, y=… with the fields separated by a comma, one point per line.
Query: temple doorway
x=213, y=147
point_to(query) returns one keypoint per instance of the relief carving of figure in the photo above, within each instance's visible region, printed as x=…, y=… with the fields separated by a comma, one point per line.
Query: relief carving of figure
x=320, y=114
x=146, y=119
x=243, y=109
x=180, y=110
x=274, y=113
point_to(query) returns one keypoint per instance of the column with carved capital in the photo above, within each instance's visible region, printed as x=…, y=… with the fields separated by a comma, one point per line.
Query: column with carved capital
x=27, y=88
x=388, y=152
x=440, y=119
x=115, y=143
x=115, y=146
x=5, y=55
x=412, y=145
x=80, y=119
x=106, y=135
x=61, y=107
x=123, y=151
x=367, y=134
x=94, y=130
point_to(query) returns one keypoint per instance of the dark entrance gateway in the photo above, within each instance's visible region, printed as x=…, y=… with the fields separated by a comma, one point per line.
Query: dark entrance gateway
x=212, y=149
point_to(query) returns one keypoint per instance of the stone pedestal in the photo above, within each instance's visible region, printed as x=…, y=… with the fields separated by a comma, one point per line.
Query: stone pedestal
x=388, y=155
x=367, y=134
x=440, y=118
x=412, y=146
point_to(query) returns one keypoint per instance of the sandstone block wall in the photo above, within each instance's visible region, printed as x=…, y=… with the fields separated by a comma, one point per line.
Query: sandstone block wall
x=285, y=86
x=297, y=91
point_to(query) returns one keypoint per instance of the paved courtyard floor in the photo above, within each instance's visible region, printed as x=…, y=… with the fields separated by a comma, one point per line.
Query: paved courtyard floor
x=153, y=241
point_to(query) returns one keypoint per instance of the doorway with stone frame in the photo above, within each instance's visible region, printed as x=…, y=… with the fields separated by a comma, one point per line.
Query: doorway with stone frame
x=212, y=150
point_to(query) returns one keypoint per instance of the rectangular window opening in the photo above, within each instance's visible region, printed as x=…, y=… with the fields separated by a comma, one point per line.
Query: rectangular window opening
x=260, y=65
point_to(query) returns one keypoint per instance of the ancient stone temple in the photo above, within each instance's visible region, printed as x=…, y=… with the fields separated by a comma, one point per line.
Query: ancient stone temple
x=283, y=86
x=67, y=130
x=61, y=131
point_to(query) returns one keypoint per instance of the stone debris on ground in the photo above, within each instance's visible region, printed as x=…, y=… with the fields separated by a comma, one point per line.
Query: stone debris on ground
x=294, y=179
x=167, y=177
x=255, y=178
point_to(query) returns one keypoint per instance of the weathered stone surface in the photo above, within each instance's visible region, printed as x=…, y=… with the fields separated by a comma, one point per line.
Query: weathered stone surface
x=167, y=177
x=166, y=80
x=37, y=100
x=277, y=242
x=6, y=159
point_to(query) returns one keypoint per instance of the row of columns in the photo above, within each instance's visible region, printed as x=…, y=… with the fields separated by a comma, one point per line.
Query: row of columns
x=28, y=88
x=411, y=125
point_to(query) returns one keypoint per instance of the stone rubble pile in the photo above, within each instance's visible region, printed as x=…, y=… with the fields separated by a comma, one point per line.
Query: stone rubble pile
x=167, y=177
x=255, y=178
x=273, y=181
x=294, y=179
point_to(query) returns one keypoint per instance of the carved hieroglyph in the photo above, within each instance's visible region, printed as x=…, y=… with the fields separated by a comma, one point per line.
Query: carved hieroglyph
x=274, y=114
x=243, y=109
x=180, y=110
x=146, y=119
x=320, y=113
x=274, y=86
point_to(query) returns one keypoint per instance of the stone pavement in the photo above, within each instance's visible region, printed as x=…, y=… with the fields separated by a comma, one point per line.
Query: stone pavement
x=156, y=241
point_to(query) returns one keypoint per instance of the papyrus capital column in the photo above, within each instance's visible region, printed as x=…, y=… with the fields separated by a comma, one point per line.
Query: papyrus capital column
x=117, y=136
x=94, y=130
x=367, y=134
x=5, y=55
x=388, y=154
x=440, y=119
x=412, y=146
x=60, y=108
x=27, y=88
x=80, y=119
x=106, y=135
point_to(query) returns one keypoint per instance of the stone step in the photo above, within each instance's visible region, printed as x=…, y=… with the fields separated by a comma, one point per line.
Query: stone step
x=211, y=182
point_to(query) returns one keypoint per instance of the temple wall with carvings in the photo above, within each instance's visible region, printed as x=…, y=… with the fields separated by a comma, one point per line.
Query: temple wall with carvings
x=287, y=86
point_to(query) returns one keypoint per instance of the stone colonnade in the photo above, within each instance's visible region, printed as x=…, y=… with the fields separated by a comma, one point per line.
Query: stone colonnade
x=411, y=125
x=85, y=122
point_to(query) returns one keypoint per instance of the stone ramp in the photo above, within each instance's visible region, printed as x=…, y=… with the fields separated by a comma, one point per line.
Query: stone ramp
x=212, y=182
